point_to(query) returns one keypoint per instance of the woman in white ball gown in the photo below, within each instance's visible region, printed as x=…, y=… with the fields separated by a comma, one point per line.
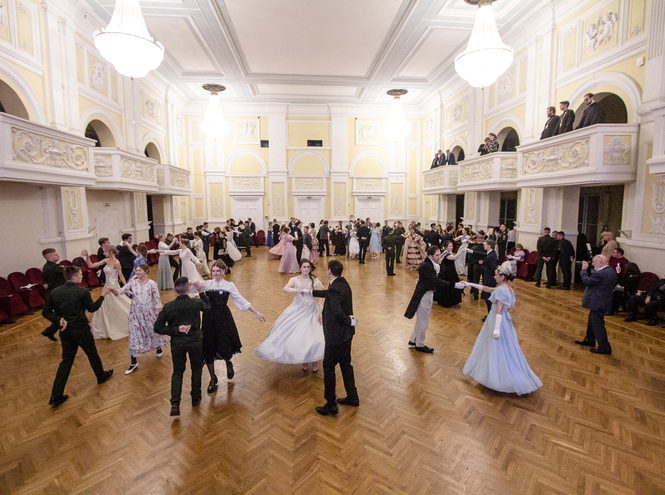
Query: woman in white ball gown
x=297, y=334
x=188, y=262
x=497, y=361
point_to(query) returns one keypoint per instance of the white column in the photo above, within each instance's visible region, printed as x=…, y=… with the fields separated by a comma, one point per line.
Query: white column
x=277, y=171
x=339, y=169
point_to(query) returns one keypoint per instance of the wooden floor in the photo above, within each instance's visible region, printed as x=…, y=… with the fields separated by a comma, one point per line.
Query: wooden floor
x=596, y=426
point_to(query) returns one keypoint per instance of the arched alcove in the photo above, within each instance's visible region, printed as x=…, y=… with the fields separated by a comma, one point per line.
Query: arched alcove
x=245, y=165
x=508, y=139
x=458, y=151
x=613, y=106
x=10, y=102
x=100, y=132
x=151, y=151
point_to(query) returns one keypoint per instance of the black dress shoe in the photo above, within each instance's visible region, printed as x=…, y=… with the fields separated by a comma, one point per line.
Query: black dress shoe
x=630, y=318
x=175, y=409
x=196, y=402
x=537, y=285
x=327, y=410
x=550, y=287
x=229, y=370
x=653, y=322
x=425, y=349
x=484, y=318
x=107, y=374
x=412, y=344
x=391, y=274
x=56, y=401
x=563, y=288
x=398, y=262
x=49, y=336
x=212, y=386
x=348, y=402
x=585, y=342
x=598, y=351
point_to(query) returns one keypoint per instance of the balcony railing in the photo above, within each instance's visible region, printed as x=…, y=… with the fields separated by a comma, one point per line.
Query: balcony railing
x=121, y=170
x=441, y=180
x=172, y=180
x=493, y=172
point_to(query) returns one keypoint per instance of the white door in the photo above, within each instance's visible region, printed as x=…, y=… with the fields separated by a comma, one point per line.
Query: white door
x=308, y=210
x=370, y=207
x=244, y=207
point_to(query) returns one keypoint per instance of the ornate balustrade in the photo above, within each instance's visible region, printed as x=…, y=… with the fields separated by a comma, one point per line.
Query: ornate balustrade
x=172, y=180
x=600, y=153
x=494, y=172
x=121, y=170
x=35, y=153
x=441, y=180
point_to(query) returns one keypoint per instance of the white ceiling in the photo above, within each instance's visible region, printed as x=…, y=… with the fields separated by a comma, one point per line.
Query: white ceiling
x=313, y=51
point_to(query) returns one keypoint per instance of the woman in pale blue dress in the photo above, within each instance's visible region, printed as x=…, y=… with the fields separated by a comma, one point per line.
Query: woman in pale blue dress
x=497, y=361
x=375, y=241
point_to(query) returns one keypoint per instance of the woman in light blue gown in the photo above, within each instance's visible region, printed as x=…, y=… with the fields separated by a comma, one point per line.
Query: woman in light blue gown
x=375, y=241
x=497, y=361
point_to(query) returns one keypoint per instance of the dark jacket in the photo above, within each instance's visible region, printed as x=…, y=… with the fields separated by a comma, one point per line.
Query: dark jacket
x=307, y=241
x=658, y=293
x=125, y=257
x=183, y=310
x=432, y=238
x=323, y=233
x=550, y=127
x=566, y=121
x=489, y=268
x=53, y=276
x=599, y=287
x=427, y=281
x=275, y=232
x=364, y=232
x=70, y=302
x=592, y=115
x=546, y=246
x=449, y=159
x=566, y=250
x=337, y=309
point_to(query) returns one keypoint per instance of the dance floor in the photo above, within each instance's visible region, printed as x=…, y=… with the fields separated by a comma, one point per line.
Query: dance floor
x=597, y=426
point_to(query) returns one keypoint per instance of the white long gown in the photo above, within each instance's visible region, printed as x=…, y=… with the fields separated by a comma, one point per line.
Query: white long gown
x=111, y=320
x=354, y=246
x=460, y=261
x=296, y=336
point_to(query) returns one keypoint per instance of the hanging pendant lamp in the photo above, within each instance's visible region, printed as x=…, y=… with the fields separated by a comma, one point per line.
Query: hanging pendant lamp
x=214, y=125
x=126, y=42
x=396, y=127
x=486, y=57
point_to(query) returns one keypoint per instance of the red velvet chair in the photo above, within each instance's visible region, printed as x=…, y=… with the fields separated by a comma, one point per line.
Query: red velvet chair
x=260, y=238
x=531, y=261
x=522, y=266
x=89, y=276
x=153, y=258
x=3, y=316
x=10, y=302
x=65, y=263
x=36, y=276
x=31, y=297
x=511, y=251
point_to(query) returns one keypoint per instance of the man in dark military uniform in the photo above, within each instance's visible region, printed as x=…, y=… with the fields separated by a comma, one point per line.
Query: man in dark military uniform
x=389, y=244
x=398, y=232
x=53, y=278
x=547, y=247
x=181, y=320
x=247, y=240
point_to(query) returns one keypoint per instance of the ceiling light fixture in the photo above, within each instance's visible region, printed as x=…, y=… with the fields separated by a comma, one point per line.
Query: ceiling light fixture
x=396, y=127
x=214, y=125
x=126, y=42
x=486, y=57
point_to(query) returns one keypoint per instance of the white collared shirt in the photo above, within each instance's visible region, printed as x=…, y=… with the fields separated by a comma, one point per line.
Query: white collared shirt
x=437, y=267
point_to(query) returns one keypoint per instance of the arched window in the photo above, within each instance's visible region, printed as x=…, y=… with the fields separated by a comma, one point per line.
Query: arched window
x=99, y=131
x=614, y=109
x=151, y=151
x=458, y=151
x=10, y=102
x=508, y=139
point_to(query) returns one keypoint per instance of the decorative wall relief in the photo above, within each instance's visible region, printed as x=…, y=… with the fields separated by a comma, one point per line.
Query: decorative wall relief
x=308, y=184
x=176, y=208
x=80, y=64
x=657, y=216
x=339, y=201
x=98, y=76
x=434, y=204
x=435, y=179
x=179, y=179
x=129, y=169
x=509, y=168
x=369, y=184
x=470, y=206
x=178, y=126
x=139, y=201
x=565, y=156
x=636, y=16
x=569, y=48
x=454, y=177
x=477, y=171
x=367, y=133
x=150, y=108
x=531, y=209
x=73, y=207
x=506, y=85
x=35, y=148
x=278, y=200
x=24, y=24
x=246, y=131
x=103, y=166
x=396, y=195
x=216, y=205
x=246, y=183
x=600, y=32
x=4, y=21
x=160, y=177
x=457, y=113
x=616, y=150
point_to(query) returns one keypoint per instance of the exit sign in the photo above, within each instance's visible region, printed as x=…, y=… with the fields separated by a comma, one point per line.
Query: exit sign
x=369, y=197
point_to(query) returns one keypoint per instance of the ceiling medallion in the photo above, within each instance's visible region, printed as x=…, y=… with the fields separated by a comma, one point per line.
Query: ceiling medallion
x=214, y=88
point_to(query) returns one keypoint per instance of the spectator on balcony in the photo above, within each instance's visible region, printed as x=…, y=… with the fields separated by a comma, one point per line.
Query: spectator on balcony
x=566, y=119
x=610, y=244
x=493, y=144
x=593, y=114
x=652, y=302
x=483, y=149
x=437, y=160
x=551, y=124
x=449, y=159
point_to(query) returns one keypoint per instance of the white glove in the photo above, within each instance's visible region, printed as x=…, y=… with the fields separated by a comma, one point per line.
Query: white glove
x=497, y=326
x=475, y=286
x=460, y=285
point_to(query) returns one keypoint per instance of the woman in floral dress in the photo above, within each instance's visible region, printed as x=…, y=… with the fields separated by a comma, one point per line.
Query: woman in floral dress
x=143, y=312
x=412, y=253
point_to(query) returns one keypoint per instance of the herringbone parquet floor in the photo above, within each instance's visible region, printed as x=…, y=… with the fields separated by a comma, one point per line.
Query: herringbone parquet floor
x=597, y=426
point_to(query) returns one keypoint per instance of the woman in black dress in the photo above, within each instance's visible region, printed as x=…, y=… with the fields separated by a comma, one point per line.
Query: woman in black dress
x=220, y=334
x=448, y=272
x=339, y=241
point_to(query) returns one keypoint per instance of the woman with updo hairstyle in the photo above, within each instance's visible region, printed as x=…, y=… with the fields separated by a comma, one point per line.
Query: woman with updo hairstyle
x=497, y=361
x=449, y=296
x=278, y=249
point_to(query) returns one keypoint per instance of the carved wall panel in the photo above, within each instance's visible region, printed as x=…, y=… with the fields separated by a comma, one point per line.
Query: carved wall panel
x=506, y=85
x=470, y=206
x=636, y=17
x=308, y=184
x=129, y=169
x=246, y=131
x=369, y=184
x=368, y=133
x=103, y=167
x=72, y=200
x=38, y=149
x=429, y=128
x=5, y=32
x=246, y=183
x=509, y=168
x=396, y=200
x=531, y=205
x=80, y=63
x=216, y=199
x=477, y=171
x=565, y=156
x=278, y=210
x=160, y=177
x=434, y=205
x=98, y=76
x=616, y=150
x=657, y=203
x=601, y=31
x=24, y=24
x=454, y=177
x=569, y=48
x=179, y=179
x=435, y=179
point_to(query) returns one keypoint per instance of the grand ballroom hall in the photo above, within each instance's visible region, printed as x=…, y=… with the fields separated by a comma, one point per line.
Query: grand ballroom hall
x=149, y=117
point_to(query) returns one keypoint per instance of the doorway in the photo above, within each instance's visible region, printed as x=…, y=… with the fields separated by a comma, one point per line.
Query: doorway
x=370, y=207
x=600, y=209
x=309, y=209
x=244, y=207
x=508, y=209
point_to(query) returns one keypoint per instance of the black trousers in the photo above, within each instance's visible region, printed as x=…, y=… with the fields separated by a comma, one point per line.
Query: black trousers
x=176, y=265
x=651, y=308
x=596, y=332
x=248, y=247
x=335, y=354
x=71, y=339
x=298, y=245
x=53, y=329
x=127, y=272
x=550, y=268
x=502, y=250
x=398, y=251
x=390, y=261
x=363, y=249
x=566, y=266
x=179, y=352
x=509, y=246
x=323, y=244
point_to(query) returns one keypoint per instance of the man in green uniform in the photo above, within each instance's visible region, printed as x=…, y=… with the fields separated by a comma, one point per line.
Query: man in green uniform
x=247, y=240
x=53, y=278
x=181, y=320
x=546, y=246
x=389, y=243
x=398, y=232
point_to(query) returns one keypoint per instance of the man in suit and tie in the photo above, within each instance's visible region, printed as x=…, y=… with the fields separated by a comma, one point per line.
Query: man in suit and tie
x=489, y=264
x=566, y=259
x=566, y=119
x=363, y=235
x=436, y=162
x=338, y=331
x=297, y=238
x=449, y=159
x=593, y=113
x=275, y=231
x=551, y=124
x=598, y=300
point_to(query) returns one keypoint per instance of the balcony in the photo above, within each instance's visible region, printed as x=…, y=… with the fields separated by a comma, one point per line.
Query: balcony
x=35, y=153
x=172, y=180
x=441, y=180
x=124, y=171
x=494, y=172
x=603, y=153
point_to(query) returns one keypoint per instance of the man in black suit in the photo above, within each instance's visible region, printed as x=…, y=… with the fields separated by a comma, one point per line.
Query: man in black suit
x=652, y=303
x=432, y=237
x=566, y=119
x=363, y=240
x=436, y=162
x=546, y=246
x=338, y=331
x=297, y=239
x=551, y=124
x=489, y=264
x=593, y=113
x=423, y=296
x=126, y=255
x=323, y=235
x=275, y=231
x=598, y=300
x=172, y=261
x=566, y=259
x=449, y=159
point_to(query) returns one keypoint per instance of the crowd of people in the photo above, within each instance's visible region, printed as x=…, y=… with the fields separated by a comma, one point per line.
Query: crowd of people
x=560, y=124
x=308, y=332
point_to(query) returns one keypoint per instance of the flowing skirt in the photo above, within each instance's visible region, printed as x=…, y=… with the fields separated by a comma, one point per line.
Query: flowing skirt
x=289, y=263
x=269, y=242
x=354, y=247
x=278, y=250
x=500, y=364
x=305, y=253
x=142, y=336
x=164, y=273
x=234, y=254
x=111, y=320
x=375, y=244
x=460, y=262
x=296, y=336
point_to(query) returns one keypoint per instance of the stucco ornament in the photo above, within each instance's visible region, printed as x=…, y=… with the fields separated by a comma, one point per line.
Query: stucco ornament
x=601, y=31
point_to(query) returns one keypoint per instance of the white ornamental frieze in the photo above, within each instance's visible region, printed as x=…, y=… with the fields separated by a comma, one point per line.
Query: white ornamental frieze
x=160, y=177
x=509, y=169
x=178, y=179
x=617, y=151
x=395, y=203
x=531, y=205
x=566, y=156
x=103, y=166
x=454, y=177
x=369, y=184
x=129, y=169
x=657, y=217
x=476, y=171
x=278, y=206
x=435, y=180
x=601, y=32
x=34, y=148
x=339, y=203
x=246, y=183
x=309, y=184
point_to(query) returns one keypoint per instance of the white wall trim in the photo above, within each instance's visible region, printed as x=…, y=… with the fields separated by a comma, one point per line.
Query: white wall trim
x=100, y=113
x=316, y=155
x=367, y=154
x=231, y=159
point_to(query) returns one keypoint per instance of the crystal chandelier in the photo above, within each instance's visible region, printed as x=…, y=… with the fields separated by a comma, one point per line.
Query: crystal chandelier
x=126, y=42
x=485, y=57
x=214, y=125
x=396, y=127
